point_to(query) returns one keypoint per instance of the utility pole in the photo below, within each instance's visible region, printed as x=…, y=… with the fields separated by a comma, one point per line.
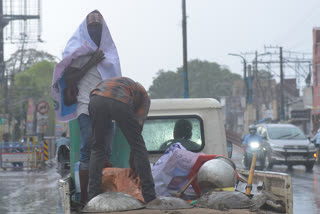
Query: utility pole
x=255, y=77
x=185, y=57
x=256, y=65
x=281, y=87
x=2, y=25
x=249, y=114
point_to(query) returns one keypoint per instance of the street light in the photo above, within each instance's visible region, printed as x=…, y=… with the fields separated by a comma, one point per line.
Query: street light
x=244, y=73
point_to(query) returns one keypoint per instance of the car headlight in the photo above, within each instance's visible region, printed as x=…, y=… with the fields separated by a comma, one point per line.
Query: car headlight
x=254, y=145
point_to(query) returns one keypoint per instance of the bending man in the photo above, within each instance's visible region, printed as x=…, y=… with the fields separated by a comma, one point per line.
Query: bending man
x=127, y=102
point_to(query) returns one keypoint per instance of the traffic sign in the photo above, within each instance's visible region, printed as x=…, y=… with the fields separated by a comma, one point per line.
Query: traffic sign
x=42, y=107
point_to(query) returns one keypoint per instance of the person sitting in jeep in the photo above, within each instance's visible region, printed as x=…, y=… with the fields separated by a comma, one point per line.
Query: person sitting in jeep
x=182, y=134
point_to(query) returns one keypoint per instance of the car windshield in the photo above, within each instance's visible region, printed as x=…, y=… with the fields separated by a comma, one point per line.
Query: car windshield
x=159, y=133
x=286, y=133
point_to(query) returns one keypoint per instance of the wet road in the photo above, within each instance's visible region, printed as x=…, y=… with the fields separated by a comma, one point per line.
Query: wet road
x=23, y=191
x=305, y=185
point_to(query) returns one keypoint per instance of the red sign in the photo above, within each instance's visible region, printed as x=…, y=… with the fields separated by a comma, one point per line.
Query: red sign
x=42, y=107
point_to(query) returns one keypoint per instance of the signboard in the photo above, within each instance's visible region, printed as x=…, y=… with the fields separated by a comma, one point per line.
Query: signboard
x=42, y=107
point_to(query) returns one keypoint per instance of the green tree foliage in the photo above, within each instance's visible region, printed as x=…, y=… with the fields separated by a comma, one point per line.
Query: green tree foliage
x=206, y=79
x=28, y=74
x=34, y=83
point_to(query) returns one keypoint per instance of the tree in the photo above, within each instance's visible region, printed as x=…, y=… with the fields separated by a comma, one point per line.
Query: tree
x=28, y=74
x=19, y=61
x=23, y=59
x=33, y=83
x=206, y=79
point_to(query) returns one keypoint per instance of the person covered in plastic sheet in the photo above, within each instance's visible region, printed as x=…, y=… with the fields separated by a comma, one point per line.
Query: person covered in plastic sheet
x=182, y=134
x=90, y=56
x=251, y=136
x=127, y=102
x=316, y=139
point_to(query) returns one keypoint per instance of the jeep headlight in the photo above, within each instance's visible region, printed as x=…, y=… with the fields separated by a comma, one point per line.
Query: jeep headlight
x=254, y=145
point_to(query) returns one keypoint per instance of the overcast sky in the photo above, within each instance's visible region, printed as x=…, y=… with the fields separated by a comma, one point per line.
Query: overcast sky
x=148, y=33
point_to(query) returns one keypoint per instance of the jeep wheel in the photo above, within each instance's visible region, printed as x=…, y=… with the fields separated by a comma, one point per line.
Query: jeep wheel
x=309, y=166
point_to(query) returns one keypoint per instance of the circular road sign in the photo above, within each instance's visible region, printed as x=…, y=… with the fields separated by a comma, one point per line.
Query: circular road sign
x=42, y=107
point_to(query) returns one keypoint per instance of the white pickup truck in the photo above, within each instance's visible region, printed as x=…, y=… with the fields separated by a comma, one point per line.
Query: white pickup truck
x=208, y=136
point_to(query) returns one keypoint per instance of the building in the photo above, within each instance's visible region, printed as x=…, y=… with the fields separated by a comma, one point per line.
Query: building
x=316, y=79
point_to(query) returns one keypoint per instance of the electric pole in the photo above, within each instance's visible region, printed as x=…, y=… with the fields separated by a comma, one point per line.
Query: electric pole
x=2, y=25
x=281, y=87
x=185, y=57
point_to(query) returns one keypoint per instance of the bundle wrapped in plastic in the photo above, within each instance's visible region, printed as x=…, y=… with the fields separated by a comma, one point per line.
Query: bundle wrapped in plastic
x=170, y=172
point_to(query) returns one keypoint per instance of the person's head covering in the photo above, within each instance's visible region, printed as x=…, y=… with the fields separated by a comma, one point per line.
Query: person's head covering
x=110, y=66
x=94, y=26
x=94, y=17
x=80, y=44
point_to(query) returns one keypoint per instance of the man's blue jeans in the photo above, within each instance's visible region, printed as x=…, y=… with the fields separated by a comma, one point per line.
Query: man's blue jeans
x=87, y=138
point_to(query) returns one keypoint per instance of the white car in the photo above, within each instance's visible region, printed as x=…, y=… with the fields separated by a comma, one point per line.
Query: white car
x=286, y=144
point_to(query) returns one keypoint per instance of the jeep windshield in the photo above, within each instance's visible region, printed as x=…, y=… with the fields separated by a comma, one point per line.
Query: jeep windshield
x=286, y=133
x=161, y=132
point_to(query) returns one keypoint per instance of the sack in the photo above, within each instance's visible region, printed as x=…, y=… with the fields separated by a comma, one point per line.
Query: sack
x=117, y=180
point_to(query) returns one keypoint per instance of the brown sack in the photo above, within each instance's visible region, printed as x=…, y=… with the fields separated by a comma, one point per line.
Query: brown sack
x=117, y=180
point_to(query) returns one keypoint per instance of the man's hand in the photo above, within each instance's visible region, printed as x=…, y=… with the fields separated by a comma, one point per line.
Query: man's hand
x=97, y=57
x=74, y=75
x=133, y=171
x=107, y=164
